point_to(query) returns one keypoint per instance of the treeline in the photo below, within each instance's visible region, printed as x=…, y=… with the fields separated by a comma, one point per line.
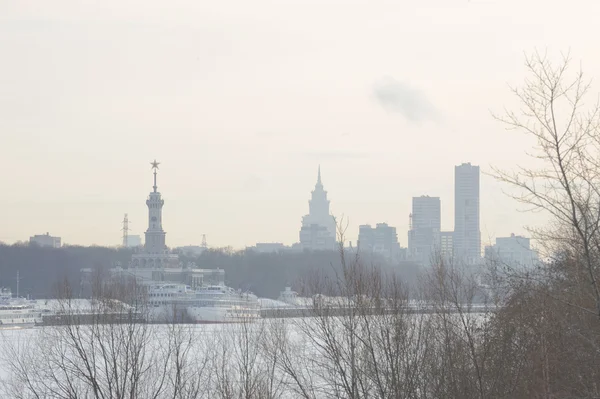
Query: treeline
x=265, y=274
x=41, y=268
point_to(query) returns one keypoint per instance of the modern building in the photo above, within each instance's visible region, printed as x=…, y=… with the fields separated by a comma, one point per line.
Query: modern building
x=318, y=231
x=446, y=244
x=514, y=251
x=425, y=226
x=45, y=240
x=467, y=236
x=381, y=240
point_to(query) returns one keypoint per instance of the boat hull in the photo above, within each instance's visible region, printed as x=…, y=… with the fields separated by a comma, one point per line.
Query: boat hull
x=205, y=314
x=201, y=314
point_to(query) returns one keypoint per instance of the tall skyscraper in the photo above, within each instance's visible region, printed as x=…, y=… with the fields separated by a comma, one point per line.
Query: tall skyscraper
x=467, y=236
x=318, y=230
x=424, y=234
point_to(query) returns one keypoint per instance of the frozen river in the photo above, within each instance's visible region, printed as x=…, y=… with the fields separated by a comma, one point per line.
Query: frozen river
x=276, y=358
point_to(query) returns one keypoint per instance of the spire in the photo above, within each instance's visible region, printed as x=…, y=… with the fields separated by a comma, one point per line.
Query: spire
x=155, y=168
x=319, y=176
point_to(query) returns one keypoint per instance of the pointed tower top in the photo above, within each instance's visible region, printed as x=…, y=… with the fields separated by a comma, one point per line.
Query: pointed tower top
x=319, y=176
x=154, y=168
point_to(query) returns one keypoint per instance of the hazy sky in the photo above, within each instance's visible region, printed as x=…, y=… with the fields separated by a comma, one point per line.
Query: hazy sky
x=241, y=100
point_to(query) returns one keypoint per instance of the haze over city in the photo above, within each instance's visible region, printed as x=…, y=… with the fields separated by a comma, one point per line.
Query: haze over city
x=241, y=101
x=172, y=175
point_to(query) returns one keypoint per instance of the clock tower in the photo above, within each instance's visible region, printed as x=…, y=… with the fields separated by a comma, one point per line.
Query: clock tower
x=155, y=235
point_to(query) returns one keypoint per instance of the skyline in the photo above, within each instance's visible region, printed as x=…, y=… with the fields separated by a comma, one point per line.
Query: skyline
x=155, y=192
x=242, y=102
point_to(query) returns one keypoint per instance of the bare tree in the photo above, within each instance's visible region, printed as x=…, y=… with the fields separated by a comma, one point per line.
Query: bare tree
x=359, y=338
x=472, y=357
x=566, y=184
x=101, y=348
x=551, y=319
x=243, y=362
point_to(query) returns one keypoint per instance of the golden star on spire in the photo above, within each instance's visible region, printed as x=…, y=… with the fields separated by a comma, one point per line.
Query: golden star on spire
x=155, y=164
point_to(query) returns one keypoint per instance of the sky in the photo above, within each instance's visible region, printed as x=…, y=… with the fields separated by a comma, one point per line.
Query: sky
x=241, y=101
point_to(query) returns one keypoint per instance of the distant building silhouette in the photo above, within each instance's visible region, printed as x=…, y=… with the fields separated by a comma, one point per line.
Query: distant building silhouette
x=318, y=230
x=424, y=235
x=447, y=244
x=514, y=251
x=191, y=250
x=45, y=240
x=268, y=247
x=381, y=240
x=467, y=236
x=134, y=241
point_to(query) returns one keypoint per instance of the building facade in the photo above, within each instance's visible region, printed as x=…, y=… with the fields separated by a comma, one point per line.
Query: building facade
x=514, y=251
x=268, y=247
x=424, y=234
x=446, y=244
x=45, y=240
x=467, y=235
x=315, y=237
x=318, y=231
x=381, y=240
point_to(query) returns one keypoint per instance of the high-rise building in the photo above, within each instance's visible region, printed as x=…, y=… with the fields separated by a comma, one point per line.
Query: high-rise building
x=467, y=236
x=514, y=251
x=318, y=231
x=446, y=244
x=381, y=240
x=45, y=240
x=424, y=233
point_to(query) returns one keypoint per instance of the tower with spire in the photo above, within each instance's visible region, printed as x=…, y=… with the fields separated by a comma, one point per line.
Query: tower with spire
x=155, y=253
x=318, y=229
x=155, y=235
x=154, y=262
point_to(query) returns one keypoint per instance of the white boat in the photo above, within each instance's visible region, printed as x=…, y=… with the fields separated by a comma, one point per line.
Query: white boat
x=17, y=312
x=207, y=304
